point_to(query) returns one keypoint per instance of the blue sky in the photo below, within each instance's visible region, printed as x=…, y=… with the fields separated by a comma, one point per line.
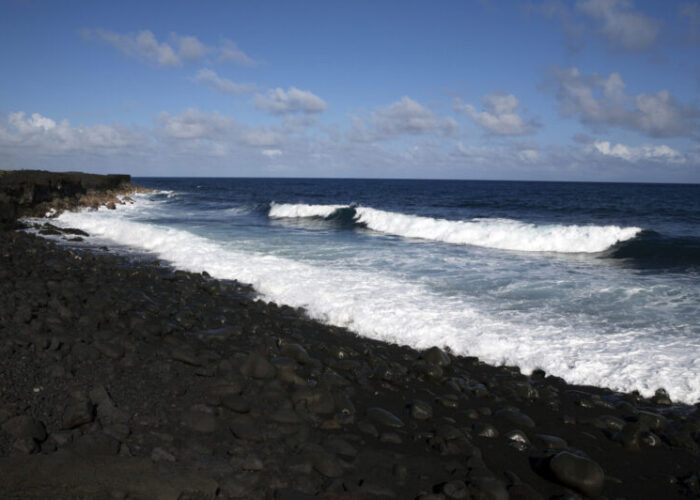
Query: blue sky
x=599, y=90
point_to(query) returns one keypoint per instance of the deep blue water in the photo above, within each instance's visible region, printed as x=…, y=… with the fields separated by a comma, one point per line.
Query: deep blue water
x=596, y=283
x=669, y=214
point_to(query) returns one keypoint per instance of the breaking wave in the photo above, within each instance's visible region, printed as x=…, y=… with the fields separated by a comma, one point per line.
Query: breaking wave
x=502, y=234
x=380, y=306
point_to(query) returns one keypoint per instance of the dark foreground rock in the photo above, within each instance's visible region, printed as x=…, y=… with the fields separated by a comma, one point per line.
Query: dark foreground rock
x=125, y=379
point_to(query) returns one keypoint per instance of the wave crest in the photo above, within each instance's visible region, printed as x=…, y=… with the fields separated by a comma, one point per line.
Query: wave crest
x=502, y=234
x=294, y=211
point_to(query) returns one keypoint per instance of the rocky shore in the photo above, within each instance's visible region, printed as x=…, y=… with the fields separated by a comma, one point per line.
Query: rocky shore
x=34, y=193
x=123, y=378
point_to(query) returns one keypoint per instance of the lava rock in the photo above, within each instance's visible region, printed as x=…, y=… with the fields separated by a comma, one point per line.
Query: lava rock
x=384, y=417
x=579, y=473
x=420, y=410
x=25, y=427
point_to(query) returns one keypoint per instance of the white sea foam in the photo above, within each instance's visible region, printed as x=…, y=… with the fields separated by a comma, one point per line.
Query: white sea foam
x=293, y=211
x=502, y=234
x=377, y=305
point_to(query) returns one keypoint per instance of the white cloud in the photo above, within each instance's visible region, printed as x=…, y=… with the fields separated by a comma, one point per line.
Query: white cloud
x=602, y=101
x=193, y=124
x=529, y=155
x=500, y=117
x=278, y=101
x=404, y=116
x=189, y=47
x=512, y=154
x=45, y=136
x=616, y=21
x=224, y=85
x=229, y=51
x=261, y=137
x=142, y=45
x=195, y=132
x=647, y=152
x=193, y=142
x=619, y=24
x=271, y=153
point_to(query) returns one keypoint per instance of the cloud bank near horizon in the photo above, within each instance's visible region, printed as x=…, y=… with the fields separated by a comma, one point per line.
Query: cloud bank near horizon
x=223, y=102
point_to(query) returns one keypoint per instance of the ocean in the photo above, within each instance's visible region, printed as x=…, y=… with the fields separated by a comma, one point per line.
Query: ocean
x=596, y=283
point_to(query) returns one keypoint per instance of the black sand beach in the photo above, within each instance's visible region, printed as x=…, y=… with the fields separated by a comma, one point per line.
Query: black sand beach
x=123, y=378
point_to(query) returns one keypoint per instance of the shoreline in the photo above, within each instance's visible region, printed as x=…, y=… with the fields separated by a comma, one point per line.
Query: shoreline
x=251, y=379
x=125, y=378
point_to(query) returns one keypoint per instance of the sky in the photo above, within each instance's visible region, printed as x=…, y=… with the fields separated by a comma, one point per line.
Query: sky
x=581, y=90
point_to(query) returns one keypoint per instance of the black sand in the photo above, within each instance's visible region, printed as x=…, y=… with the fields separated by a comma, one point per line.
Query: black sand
x=121, y=378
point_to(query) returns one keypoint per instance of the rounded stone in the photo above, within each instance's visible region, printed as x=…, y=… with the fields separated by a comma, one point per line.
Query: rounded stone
x=579, y=473
x=455, y=489
x=384, y=417
x=516, y=417
x=437, y=356
x=236, y=403
x=483, y=429
x=25, y=427
x=549, y=442
x=256, y=366
x=420, y=410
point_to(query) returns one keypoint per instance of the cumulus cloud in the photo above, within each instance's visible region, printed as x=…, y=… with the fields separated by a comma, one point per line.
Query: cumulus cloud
x=142, y=45
x=573, y=29
x=261, y=137
x=602, y=101
x=229, y=51
x=523, y=154
x=500, y=116
x=189, y=47
x=46, y=136
x=404, y=116
x=616, y=21
x=224, y=85
x=647, y=152
x=620, y=24
x=178, y=49
x=279, y=102
x=271, y=153
x=193, y=124
x=213, y=143
x=194, y=131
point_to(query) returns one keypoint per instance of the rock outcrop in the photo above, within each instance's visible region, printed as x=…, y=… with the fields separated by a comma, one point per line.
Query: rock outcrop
x=33, y=193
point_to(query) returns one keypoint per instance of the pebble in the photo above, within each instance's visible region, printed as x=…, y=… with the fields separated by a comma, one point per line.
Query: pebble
x=515, y=417
x=390, y=437
x=96, y=443
x=256, y=366
x=455, y=489
x=155, y=349
x=25, y=427
x=199, y=421
x=109, y=349
x=78, y=413
x=484, y=429
x=420, y=410
x=327, y=465
x=549, y=442
x=579, y=473
x=384, y=417
x=161, y=455
x=235, y=402
x=518, y=439
x=437, y=356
